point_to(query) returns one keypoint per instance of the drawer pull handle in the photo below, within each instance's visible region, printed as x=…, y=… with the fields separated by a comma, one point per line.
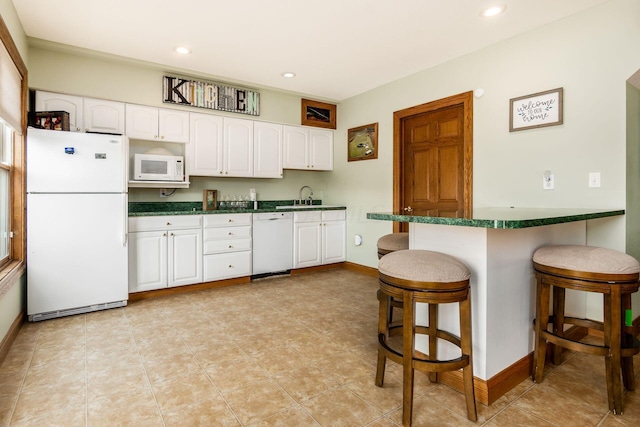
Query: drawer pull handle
x=230, y=247
x=168, y=223
x=230, y=220
x=230, y=266
x=230, y=234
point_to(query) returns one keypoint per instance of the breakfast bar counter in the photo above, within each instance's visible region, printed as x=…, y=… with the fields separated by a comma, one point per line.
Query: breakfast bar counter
x=497, y=244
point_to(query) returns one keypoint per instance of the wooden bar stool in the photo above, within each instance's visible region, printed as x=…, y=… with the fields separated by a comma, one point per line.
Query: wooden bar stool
x=590, y=269
x=433, y=278
x=392, y=242
x=387, y=244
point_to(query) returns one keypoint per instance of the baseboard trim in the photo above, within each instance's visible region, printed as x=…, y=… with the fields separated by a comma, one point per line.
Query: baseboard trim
x=138, y=296
x=369, y=271
x=317, y=268
x=11, y=335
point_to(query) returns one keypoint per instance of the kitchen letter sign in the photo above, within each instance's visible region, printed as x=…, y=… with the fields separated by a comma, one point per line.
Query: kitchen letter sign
x=536, y=110
x=210, y=95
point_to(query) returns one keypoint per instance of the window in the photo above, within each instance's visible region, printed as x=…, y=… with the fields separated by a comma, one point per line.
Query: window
x=13, y=101
x=6, y=142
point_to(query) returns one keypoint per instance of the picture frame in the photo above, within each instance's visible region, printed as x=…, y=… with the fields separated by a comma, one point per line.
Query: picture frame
x=209, y=200
x=536, y=110
x=318, y=114
x=362, y=142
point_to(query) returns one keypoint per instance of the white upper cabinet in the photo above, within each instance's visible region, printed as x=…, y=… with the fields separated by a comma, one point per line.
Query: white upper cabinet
x=295, y=145
x=173, y=125
x=321, y=149
x=307, y=148
x=220, y=146
x=157, y=124
x=206, y=144
x=238, y=147
x=47, y=101
x=267, y=150
x=103, y=116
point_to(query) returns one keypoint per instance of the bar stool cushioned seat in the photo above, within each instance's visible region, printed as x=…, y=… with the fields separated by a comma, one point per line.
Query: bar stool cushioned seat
x=392, y=242
x=589, y=269
x=433, y=278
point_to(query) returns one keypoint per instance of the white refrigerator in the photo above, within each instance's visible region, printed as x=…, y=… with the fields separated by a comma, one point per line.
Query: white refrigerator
x=76, y=223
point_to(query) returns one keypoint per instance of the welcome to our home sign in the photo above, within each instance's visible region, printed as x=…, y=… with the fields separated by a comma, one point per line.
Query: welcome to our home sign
x=210, y=95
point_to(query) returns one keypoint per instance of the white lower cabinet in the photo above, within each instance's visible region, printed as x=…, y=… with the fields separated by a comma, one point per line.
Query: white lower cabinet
x=164, y=251
x=227, y=246
x=319, y=238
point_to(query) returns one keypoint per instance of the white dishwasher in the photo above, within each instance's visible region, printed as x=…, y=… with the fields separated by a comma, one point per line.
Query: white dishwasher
x=272, y=243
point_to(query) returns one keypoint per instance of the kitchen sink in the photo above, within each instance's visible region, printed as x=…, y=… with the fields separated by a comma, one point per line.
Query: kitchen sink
x=306, y=206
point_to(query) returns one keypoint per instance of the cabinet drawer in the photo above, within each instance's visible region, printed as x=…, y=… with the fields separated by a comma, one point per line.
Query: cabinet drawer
x=227, y=232
x=229, y=245
x=217, y=220
x=149, y=223
x=307, y=216
x=226, y=266
x=334, y=215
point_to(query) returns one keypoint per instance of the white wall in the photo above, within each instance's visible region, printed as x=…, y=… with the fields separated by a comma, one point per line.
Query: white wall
x=590, y=55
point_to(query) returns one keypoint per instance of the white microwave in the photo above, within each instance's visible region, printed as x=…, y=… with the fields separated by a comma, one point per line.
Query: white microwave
x=158, y=167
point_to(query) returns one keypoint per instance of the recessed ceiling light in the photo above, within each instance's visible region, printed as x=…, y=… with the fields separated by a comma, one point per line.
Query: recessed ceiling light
x=492, y=11
x=183, y=50
x=288, y=75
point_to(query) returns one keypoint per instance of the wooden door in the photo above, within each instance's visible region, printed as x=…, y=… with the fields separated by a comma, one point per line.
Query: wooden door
x=433, y=158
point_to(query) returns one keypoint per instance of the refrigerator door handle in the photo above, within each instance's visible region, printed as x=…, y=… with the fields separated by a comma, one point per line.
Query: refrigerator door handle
x=125, y=219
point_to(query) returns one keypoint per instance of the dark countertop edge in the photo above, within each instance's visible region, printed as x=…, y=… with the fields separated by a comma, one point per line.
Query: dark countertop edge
x=495, y=223
x=233, y=211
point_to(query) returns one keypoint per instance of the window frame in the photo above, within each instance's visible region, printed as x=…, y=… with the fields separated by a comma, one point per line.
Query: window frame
x=14, y=267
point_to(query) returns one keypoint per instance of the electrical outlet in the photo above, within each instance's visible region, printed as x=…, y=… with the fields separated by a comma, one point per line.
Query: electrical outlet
x=548, y=181
x=594, y=179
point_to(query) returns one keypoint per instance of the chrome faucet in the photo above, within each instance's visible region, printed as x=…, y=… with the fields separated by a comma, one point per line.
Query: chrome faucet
x=310, y=200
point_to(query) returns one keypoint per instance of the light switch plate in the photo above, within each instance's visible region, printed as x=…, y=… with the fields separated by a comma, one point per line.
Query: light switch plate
x=594, y=179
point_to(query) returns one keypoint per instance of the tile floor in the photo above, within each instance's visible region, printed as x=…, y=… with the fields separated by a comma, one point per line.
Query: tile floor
x=283, y=351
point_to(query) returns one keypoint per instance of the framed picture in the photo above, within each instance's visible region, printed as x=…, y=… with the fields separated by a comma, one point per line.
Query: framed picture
x=209, y=200
x=318, y=114
x=536, y=110
x=362, y=142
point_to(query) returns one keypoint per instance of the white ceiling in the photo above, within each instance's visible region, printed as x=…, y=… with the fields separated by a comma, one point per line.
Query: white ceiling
x=337, y=48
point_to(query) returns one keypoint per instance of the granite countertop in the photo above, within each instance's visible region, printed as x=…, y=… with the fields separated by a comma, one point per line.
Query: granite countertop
x=195, y=208
x=512, y=217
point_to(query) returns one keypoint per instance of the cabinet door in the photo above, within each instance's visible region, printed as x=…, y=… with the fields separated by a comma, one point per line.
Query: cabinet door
x=307, y=250
x=185, y=257
x=47, y=101
x=173, y=125
x=295, y=147
x=141, y=122
x=238, y=147
x=147, y=260
x=321, y=149
x=334, y=235
x=103, y=116
x=267, y=150
x=206, y=144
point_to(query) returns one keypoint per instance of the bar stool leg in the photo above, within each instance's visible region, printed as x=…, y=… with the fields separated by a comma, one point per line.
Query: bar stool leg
x=542, y=320
x=408, y=319
x=467, y=348
x=628, y=376
x=383, y=333
x=558, y=321
x=433, y=338
x=615, y=343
